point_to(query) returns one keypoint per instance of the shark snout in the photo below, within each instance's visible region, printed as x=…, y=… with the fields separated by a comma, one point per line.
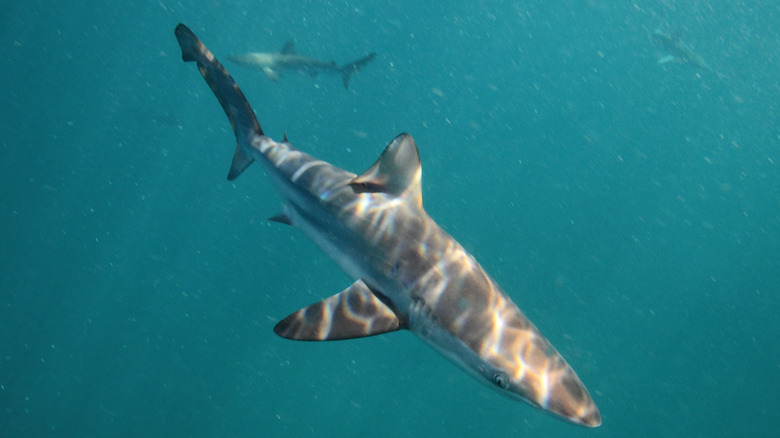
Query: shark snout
x=569, y=399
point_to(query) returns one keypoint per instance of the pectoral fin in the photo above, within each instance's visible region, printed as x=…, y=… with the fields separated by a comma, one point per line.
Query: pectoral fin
x=271, y=73
x=356, y=312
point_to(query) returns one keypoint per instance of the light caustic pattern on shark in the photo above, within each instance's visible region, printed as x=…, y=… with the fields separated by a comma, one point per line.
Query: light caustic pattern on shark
x=410, y=274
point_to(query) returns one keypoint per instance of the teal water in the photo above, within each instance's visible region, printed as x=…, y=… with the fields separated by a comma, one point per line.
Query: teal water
x=631, y=209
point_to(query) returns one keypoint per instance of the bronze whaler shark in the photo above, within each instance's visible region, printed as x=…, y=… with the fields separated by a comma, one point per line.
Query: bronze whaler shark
x=275, y=64
x=409, y=273
x=680, y=51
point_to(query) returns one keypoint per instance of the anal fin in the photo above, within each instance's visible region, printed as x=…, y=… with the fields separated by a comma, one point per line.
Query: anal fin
x=356, y=312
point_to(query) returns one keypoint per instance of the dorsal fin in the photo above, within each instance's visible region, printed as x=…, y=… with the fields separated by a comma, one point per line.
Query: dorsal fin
x=289, y=48
x=397, y=172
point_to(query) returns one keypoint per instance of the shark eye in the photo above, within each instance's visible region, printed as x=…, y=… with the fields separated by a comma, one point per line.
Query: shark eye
x=501, y=380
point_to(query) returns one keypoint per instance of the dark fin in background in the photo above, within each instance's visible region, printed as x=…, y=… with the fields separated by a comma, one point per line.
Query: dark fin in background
x=281, y=218
x=242, y=118
x=289, y=48
x=348, y=70
x=397, y=171
x=354, y=313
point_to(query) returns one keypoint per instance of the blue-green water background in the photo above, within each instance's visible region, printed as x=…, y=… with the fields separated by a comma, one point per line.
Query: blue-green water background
x=631, y=209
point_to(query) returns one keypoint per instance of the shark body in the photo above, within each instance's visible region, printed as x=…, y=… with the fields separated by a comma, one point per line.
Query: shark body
x=287, y=60
x=409, y=273
x=680, y=52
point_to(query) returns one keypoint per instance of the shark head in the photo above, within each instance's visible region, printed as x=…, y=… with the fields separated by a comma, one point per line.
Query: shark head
x=540, y=377
x=487, y=335
x=520, y=363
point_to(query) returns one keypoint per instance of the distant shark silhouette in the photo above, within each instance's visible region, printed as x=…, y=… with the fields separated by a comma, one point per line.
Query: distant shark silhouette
x=408, y=273
x=680, y=52
x=287, y=60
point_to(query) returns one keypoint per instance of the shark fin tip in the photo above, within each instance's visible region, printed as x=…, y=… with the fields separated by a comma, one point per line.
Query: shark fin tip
x=188, y=43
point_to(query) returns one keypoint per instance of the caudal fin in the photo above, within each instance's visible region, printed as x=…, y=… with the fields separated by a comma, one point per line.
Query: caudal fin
x=242, y=118
x=348, y=70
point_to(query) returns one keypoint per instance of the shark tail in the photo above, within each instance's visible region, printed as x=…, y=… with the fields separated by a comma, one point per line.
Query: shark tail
x=236, y=107
x=350, y=69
